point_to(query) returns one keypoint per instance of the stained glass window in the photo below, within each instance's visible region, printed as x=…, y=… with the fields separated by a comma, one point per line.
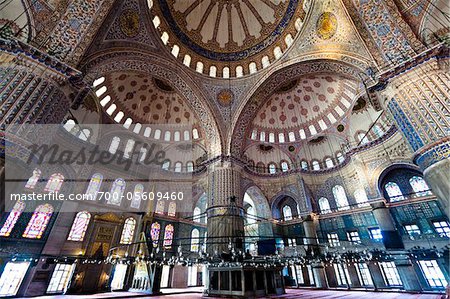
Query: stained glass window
x=172, y=209
x=128, y=231
x=12, y=219
x=196, y=214
x=393, y=191
x=284, y=166
x=79, y=226
x=340, y=197
x=115, y=142
x=272, y=168
x=361, y=197
x=38, y=222
x=54, y=183
x=33, y=180
x=115, y=195
x=324, y=205
x=159, y=207
x=137, y=195
x=94, y=186
x=168, y=235
x=287, y=213
x=195, y=235
x=154, y=233
x=419, y=186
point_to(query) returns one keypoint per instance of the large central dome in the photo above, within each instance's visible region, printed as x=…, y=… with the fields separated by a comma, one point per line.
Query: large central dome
x=218, y=32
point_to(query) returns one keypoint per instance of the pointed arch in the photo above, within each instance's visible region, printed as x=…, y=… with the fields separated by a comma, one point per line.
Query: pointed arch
x=38, y=222
x=79, y=226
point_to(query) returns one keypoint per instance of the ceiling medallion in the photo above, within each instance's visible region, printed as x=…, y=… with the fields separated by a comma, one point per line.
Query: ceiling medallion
x=326, y=25
x=129, y=23
x=225, y=97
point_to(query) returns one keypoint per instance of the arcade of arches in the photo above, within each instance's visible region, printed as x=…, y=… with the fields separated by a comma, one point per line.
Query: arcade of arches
x=264, y=147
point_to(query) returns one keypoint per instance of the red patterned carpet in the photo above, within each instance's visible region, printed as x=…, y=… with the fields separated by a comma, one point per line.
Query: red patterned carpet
x=195, y=293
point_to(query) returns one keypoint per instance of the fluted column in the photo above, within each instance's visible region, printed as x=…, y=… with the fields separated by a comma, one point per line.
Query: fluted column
x=419, y=102
x=225, y=212
x=309, y=226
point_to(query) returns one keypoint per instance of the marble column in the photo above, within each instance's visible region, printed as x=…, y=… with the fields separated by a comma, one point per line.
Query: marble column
x=419, y=102
x=312, y=245
x=391, y=237
x=225, y=211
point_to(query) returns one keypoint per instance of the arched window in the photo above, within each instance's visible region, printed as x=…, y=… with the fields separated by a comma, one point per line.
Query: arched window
x=378, y=131
x=315, y=165
x=226, y=72
x=119, y=116
x=137, y=195
x=304, y=165
x=54, y=183
x=361, y=198
x=178, y=167
x=271, y=137
x=195, y=235
x=291, y=136
x=69, y=125
x=250, y=215
x=281, y=137
x=284, y=166
x=12, y=219
x=32, y=181
x=187, y=135
x=329, y=163
x=166, y=165
x=262, y=136
x=393, y=191
x=287, y=213
x=147, y=132
x=157, y=134
x=340, y=197
x=137, y=128
x=260, y=167
x=128, y=231
x=154, y=233
x=105, y=101
x=167, y=136
x=129, y=148
x=94, y=186
x=189, y=166
x=159, y=207
x=111, y=109
x=362, y=138
x=168, y=235
x=239, y=71
x=38, y=222
x=195, y=134
x=324, y=205
x=419, y=186
x=84, y=134
x=79, y=226
x=187, y=60
x=172, y=210
x=196, y=214
x=114, y=145
x=176, y=136
x=117, y=188
x=272, y=168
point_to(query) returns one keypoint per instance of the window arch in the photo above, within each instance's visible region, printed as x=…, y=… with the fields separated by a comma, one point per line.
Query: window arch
x=176, y=136
x=166, y=165
x=33, y=180
x=196, y=214
x=340, y=197
x=419, y=186
x=137, y=195
x=377, y=130
x=272, y=137
x=284, y=166
x=137, y=128
x=84, y=134
x=69, y=125
x=54, y=183
x=129, y=148
x=116, y=192
x=159, y=207
x=393, y=191
x=114, y=145
x=178, y=166
x=195, y=134
x=154, y=233
x=287, y=213
x=172, y=210
x=304, y=165
x=94, y=186
x=361, y=198
x=187, y=135
x=38, y=222
x=329, y=162
x=195, y=235
x=340, y=157
x=362, y=138
x=13, y=216
x=79, y=226
x=189, y=166
x=128, y=231
x=281, y=137
x=315, y=165
x=168, y=235
x=272, y=168
x=324, y=205
x=167, y=136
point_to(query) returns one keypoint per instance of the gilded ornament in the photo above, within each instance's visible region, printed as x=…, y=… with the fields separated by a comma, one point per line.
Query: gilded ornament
x=326, y=25
x=129, y=23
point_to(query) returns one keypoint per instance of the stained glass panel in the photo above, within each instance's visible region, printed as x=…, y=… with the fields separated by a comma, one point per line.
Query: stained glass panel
x=12, y=219
x=154, y=233
x=172, y=209
x=137, y=195
x=54, y=183
x=419, y=186
x=168, y=235
x=324, y=205
x=79, y=226
x=195, y=235
x=32, y=181
x=38, y=222
x=340, y=197
x=94, y=186
x=159, y=207
x=128, y=231
x=393, y=191
x=116, y=192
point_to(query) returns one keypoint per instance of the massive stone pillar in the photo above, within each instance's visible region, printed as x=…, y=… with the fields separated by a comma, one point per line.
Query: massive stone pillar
x=391, y=237
x=225, y=212
x=419, y=102
x=313, y=248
